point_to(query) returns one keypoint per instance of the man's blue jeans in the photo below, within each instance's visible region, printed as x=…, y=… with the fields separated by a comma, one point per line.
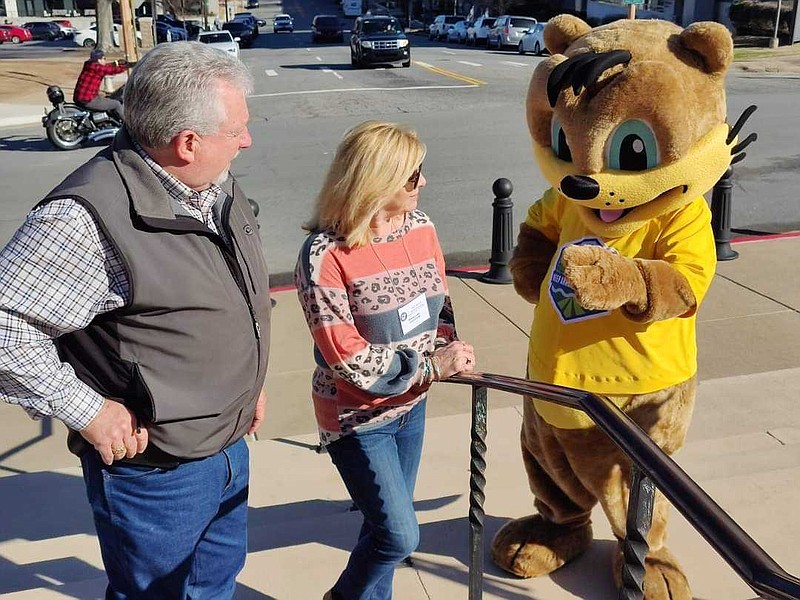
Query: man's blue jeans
x=378, y=465
x=177, y=533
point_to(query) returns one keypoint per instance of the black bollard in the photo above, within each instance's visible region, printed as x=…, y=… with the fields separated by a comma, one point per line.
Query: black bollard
x=721, y=216
x=502, y=234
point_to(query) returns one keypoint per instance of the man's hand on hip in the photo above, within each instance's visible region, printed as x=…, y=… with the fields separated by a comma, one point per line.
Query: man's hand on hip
x=114, y=433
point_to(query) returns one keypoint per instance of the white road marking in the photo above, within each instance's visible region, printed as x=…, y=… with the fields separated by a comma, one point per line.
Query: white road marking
x=448, y=52
x=376, y=89
x=319, y=58
x=271, y=73
x=516, y=64
x=327, y=70
x=471, y=64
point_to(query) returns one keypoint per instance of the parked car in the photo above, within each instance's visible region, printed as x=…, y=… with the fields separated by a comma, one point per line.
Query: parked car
x=379, y=39
x=242, y=32
x=251, y=19
x=169, y=33
x=17, y=34
x=43, y=30
x=508, y=31
x=532, y=40
x=67, y=30
x=222, y=40
x=190, y=28
x=476, y=33
x=326, y=27
x=282, y=23
x=5, y=35
x=88, y=37
x=458, y=32
x=252, y=4
x=441, y=25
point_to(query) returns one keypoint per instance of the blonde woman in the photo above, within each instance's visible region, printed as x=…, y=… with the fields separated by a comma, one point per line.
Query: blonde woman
x=371, y=279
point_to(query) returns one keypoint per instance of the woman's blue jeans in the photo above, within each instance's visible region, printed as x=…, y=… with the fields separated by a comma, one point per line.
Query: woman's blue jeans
x=378, y=465
x=178, y=533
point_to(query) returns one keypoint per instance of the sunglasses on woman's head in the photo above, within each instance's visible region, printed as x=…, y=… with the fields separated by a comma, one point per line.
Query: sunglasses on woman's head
x=413, y=181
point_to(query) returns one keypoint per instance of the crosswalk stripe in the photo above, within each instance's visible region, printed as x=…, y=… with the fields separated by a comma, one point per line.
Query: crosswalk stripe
x=271, y=73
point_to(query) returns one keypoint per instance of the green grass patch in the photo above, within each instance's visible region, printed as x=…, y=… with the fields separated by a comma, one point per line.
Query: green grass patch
x=757, y=53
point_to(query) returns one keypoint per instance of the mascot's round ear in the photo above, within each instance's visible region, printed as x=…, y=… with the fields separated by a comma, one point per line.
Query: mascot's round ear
x=562, y=30
x=713, y=42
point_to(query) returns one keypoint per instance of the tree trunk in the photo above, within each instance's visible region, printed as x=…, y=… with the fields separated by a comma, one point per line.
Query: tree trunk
x=105, y=25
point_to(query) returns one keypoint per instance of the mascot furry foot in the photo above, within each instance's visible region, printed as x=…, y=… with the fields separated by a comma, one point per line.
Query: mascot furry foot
x=663, y=577
x=531, y=546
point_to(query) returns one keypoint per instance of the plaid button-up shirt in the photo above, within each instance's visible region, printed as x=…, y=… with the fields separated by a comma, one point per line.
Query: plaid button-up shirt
x=88, y=84
x=57, y=274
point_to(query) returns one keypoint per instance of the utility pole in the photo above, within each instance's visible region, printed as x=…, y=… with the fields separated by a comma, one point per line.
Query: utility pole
x=775, y=42
x=155, y=29
x=128, y=31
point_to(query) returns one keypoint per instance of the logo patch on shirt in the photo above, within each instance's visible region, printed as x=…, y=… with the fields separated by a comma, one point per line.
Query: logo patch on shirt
x=562, y=296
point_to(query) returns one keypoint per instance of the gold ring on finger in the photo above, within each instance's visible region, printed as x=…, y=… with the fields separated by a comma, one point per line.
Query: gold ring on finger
x=118, y=451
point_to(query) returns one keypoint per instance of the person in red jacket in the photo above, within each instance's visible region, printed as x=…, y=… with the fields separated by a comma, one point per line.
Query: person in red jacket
x=87, y=89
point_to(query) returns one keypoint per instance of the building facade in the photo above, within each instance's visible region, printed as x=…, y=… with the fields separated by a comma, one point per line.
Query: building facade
x=44, y=8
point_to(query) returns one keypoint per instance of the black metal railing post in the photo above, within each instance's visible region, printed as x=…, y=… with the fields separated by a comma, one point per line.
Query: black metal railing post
x=635, y=546
x=502, y=233
x=653, y=469
x=721, y=197
x=477, y=483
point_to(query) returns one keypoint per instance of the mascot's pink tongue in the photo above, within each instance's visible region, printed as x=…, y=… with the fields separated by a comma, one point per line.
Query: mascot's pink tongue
x=609, y=216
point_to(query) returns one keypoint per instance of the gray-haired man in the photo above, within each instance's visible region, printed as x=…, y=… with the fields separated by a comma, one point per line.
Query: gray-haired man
x=134, y=306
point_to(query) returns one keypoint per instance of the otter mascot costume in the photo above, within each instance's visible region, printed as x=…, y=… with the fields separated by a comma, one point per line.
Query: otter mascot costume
x=628, y=122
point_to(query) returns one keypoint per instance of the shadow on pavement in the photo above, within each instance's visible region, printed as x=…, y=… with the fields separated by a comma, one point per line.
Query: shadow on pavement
x=49, y=574
x=46, y=505
x=25, y=143
x=318, y=66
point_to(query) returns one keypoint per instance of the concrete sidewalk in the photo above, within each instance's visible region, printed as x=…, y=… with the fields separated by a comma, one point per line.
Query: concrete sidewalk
x=743, y=449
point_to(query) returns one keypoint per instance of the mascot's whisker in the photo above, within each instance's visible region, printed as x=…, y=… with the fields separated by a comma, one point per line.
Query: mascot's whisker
x=736, y=151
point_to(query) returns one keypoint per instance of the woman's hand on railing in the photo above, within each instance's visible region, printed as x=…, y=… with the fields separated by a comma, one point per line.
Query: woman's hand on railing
x=456, y=357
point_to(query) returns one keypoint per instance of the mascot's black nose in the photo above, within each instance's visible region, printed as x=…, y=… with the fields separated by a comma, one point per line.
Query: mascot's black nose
x=580, y=187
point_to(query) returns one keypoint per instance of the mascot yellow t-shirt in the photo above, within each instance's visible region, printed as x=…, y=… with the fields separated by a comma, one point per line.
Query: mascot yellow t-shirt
x=603, y=351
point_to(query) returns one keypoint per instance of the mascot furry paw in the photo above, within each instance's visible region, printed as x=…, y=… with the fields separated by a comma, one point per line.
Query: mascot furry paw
x=628, y=126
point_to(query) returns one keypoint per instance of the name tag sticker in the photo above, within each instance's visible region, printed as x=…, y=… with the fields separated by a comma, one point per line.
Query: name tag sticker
x=414, y=313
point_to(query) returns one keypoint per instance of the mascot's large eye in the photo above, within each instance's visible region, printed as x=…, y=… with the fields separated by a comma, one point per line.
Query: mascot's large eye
x=633, y=147
x=559, y=141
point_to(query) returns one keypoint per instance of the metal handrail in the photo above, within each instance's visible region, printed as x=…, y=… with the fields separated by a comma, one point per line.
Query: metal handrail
x=729, y=540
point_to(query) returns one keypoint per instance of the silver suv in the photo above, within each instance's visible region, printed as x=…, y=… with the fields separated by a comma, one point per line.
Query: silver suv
x=441, y=25
x=508, y=31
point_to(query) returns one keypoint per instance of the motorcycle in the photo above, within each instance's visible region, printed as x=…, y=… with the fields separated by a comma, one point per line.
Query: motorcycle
x=69, y=126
